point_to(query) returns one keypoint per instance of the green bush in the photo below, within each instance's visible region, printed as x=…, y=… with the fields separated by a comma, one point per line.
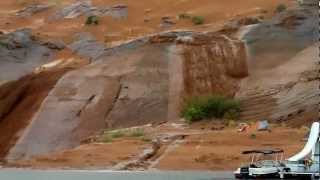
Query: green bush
x=92, y=20
x=199, y=108
x=197, y=20
x=109, y=136
x=280, y=8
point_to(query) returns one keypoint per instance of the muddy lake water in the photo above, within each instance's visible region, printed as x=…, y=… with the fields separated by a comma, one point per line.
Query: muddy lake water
x=14, y=174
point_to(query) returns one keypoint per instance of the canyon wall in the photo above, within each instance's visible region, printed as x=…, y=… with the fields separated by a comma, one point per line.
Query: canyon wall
x=133, y=86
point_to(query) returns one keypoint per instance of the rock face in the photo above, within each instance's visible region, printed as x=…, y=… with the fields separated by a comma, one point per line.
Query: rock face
x=71, y=112
x=19, y=101
x=86, y=45
x=290, y=32
x=131, y=85
x=85, y=7
x=20, y=53
x=221, y=56
x=282, y=56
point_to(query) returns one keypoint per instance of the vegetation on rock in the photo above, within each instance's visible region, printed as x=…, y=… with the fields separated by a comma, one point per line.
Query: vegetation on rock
x=184, y=16
x=199, y=108
x=197, y=20
x=280, y=8
x=109, y=136
x=92, y=20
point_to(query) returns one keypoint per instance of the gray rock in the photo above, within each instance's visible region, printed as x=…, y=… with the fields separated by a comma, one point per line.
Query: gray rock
x=237, y=23
x=74, y=10
x=54, y=44
x=86, y=45
x=295, y=30
x=117, y=11
x=85, y=8
x=20, y=53
x=32, y=9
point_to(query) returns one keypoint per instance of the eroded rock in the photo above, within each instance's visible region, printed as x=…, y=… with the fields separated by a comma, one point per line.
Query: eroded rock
x=130, y=85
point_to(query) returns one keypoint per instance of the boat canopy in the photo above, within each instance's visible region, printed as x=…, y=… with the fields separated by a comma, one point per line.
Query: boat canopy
x=265, y=151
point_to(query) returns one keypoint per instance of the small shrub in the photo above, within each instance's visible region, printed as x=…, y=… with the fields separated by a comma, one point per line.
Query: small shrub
x=146, y=139
x=232, y=123
x=55, y=2
x=137, y=133
x=305, y=128
x=3, y=44
x=253, y=136
x=197, y=20
x=106, y=138
x=280, y=8
x=194, y=112
x=184, y=16
x=92, y=20
x=232, y=114
x=200, y=108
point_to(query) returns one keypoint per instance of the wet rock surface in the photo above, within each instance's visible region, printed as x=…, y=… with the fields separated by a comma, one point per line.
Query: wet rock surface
x=201, y=59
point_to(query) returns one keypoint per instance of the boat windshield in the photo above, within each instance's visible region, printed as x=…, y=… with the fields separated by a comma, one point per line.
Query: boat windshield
x=267, y=163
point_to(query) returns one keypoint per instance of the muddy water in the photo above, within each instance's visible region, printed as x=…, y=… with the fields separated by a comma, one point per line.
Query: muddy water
x=103, y=175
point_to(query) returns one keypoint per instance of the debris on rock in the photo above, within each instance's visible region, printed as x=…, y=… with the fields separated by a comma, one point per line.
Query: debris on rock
x=263, y=125
x=142, y=159
x=243, y=127
x=166, y=22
